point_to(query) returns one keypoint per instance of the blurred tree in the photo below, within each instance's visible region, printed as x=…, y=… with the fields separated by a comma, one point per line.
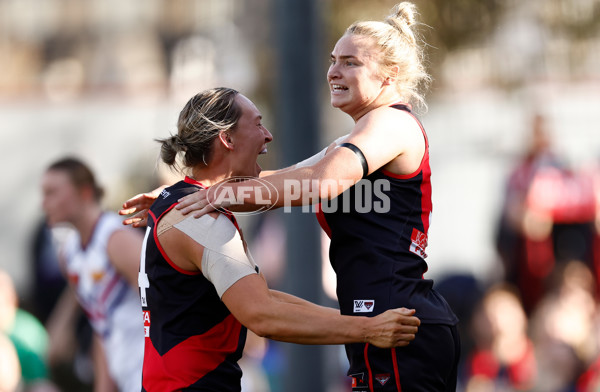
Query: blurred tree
x=579, y=19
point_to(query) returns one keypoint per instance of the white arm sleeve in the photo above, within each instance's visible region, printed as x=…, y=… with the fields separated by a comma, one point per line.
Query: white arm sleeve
x=224, y=260
x=318, y=156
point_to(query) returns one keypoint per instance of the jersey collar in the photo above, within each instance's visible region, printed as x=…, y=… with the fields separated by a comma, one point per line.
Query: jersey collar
x=190, y=180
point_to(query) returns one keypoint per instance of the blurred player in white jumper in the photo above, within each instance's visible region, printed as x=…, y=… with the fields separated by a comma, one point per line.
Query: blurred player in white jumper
x=101, y=261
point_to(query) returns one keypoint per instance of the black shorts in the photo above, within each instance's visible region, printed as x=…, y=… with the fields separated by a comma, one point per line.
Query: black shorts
x=428, y=364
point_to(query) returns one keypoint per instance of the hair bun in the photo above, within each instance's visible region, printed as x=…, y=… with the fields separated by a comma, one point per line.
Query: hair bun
x=179, y=143
x=401, y=18
x=405, y=12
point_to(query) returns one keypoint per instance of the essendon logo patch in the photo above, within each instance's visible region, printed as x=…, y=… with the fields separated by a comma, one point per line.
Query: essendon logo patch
x=364, y=305
x=146, y=323
x=418, y=243
x=358, y=383
x=382, y=378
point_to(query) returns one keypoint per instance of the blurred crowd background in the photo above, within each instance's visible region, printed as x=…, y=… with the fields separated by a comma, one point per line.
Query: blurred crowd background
x=513, y=120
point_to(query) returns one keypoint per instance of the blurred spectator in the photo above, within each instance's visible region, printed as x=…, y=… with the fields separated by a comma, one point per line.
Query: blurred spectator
x=547, y=218
x=503, y=357
x=523, y=237
x=563, y=327
x=10, y=369
x=566, y=197
x=28, y=337
x=592, y=172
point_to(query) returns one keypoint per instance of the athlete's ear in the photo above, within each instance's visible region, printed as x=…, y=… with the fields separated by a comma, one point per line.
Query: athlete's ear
x=226, y=140
x=393, y=76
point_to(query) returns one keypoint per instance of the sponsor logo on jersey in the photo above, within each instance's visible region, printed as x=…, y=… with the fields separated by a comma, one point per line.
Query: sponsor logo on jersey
x=364, y=305
x=382, y=378
x=146, y=314
x=418, y=243
x=164, y=194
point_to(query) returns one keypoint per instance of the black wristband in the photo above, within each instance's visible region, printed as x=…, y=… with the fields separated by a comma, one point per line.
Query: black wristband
x=360, y=155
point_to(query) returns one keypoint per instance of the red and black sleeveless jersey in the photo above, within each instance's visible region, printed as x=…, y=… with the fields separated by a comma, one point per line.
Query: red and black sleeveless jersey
x=193, y=342
x=378, y=230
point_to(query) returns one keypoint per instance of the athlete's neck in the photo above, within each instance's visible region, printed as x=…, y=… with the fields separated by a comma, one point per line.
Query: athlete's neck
x=86, y=223
x=387, y=97
x=212, y=174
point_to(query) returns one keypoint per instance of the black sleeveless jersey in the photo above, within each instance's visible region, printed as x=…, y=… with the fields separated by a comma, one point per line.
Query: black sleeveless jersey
x=192, y=340
x=378, y=230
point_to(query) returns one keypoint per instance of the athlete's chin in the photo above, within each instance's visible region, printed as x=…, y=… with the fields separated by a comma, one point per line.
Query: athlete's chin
x=338, y=103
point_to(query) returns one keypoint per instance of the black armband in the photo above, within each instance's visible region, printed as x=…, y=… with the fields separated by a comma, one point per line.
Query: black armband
x=360, y=155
